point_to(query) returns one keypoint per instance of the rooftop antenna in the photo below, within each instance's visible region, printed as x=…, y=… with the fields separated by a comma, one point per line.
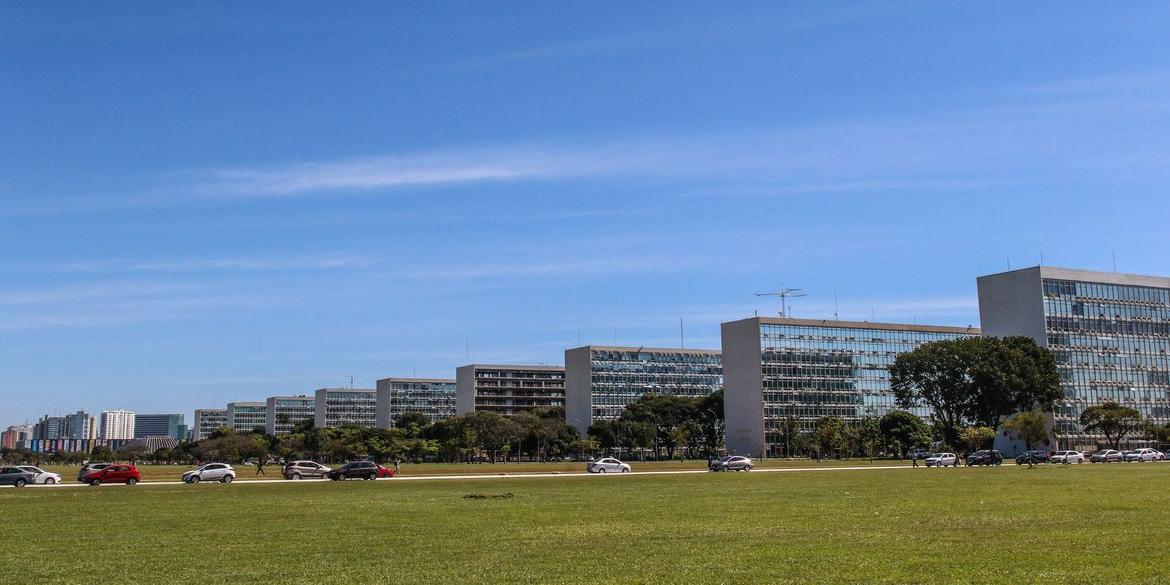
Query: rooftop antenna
x=784, y=294
x=466, y=350
x=1042, y=257
x=682, y=337
x=835, y=318
x=615, y=335
x=1114, y=252
x=350, y=381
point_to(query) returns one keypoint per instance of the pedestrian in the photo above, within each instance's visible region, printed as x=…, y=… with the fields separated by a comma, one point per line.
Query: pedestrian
x=397, y=461
x=914, y=458
x=260, y=466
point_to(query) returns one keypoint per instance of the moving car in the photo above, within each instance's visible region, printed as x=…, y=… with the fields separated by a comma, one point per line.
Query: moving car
x=1105, y=456
x=114, y=473
x=1036, y=455
x=941, y=460
x=1143, y=455
x=88, y=467
x=356, y=470
x=15, y=476
x=985, y=457
x=607, y=465
x=42, y=476
x=303, y=469
x=731, y=463
x=1068, y=457
x=221, y=472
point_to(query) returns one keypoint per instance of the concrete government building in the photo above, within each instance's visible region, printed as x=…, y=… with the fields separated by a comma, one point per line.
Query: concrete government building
x=282, y=413
x=433, y=397
x=601, y=380
x=805, y=369
x=508, y=390
x=1109, y=334
x=337, y=407
x=207, y=421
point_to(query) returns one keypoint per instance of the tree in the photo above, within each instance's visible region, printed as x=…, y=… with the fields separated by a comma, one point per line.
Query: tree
x=903, y=430
x=1112, y=420
x=976, y=437
x=413, y=424
x=101, y=453
x=1029, y=426
x=869, y=435
x=937, y=375
x=492, y=432
x=830, y=435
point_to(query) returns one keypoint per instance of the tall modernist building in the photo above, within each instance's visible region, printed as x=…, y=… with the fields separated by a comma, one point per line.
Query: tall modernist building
x=434, y=397
x=117, y=425
x=508, y=390
x=284, y=412
x=82, y=426
x=601, y=380
x=337, y=407
x=51, y=427
x=780, y=368
x=160, y=425
x=207, y=421
x=16, y=436
x=1109, y=334
x=244, y=417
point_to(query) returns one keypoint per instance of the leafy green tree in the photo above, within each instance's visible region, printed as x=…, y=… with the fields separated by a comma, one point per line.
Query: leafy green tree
x=977, y=437
x=903, y=430
x=492, y=432
x=1029, y=426
x=830, y=435
x=1112, y=420
x=101, y=453
x=869, y=435
x=606, y=434
x=412, y=424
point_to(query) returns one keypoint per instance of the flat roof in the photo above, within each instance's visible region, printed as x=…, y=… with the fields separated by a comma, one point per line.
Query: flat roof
x=970, y=330
x=231, y=404
x=1077, y=274
x=513, y=367
x=297, y=397
x=649, y=349
x=421, y=380
x=346, y=390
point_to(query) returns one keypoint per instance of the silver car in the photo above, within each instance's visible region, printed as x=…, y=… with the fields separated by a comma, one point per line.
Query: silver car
x=303, y=469
x=221, y=472
x=42, y=476
x=1106, y=456
x=1144, y=455
x=942, y=460
x=1067, y=457
x=731, y=463
x=90, y=467
x=607, y=465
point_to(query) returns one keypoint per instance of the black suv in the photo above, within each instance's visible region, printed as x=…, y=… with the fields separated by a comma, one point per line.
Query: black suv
x=355, y=470
x=1037, y=457
x=985, y=457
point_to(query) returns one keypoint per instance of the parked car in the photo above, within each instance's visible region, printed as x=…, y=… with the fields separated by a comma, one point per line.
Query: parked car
x=985, y=457
x=356, y=470
x=1068, y=457
x=304, y=469
x=1105, y=456
x=42, y=476
x=221, y=472
x=918, y=453
x=607, y=465
x=941, y=460
x=1036, y=455
x=731, y=463
x=1143, y=455
x=15, y=476
x=88, y=467
x=114, y=473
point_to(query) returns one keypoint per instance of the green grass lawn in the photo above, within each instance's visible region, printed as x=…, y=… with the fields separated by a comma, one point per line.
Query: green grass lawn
x=1052, y=524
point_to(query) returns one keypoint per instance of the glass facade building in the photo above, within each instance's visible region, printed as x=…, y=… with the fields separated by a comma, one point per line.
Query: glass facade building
x=508, y=390
x=600, y=381
x=805, y=369
x=207, y=421
x=160, y=425
x=1109, y=334
x=433, y=397
x=244, y=417
x=284, y=412
x=336, y=407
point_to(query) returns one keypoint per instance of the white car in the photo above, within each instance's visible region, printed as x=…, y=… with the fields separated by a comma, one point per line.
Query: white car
x=941, y=460
x=42, y=476
x=1067, y=457
x=607, y=465
x=731, y=463
x=1143, y=455
x=221, y=472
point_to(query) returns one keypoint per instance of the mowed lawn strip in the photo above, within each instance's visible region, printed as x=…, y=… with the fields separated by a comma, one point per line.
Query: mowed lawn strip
x=1055, y=524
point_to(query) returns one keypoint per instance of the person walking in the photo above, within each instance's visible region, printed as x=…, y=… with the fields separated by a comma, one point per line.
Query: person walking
x=260, y=466
x=914, y=458
x=397, y=462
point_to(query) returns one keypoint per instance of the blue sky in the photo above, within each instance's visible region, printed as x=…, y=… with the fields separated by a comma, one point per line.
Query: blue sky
x=201, y=204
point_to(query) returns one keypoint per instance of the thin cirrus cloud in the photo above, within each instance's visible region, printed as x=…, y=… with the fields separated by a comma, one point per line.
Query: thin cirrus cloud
x=237, y=264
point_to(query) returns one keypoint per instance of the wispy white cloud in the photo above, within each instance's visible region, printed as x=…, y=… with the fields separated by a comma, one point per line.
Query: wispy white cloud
x=237, y=264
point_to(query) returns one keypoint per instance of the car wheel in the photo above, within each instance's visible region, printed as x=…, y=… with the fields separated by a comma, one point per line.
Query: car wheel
x=195, y=479
x=295, y=476
x=20, y=481
x=626, y=470
x=601, y=470
x=50, y=481
x=227, y=479
x=748, y=468
x=131, y=481
x=372, y=476
x=95, y=482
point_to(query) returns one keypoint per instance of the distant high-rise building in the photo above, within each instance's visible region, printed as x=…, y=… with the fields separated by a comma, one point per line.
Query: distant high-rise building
x=244, y=417
x=1108, y=332
x=600, y=381
x=82, y=426
x=337, y=407
x=207, y=421
x=117, y=425
x=508, y=390
x=433, y=397
x=160, y=425
x=51, y=428
x=282, y=413
x=17, y=436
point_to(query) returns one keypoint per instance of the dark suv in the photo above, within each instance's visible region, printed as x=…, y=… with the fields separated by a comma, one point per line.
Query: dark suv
x=985, y=457
x=355, y=470
x=1037, y=457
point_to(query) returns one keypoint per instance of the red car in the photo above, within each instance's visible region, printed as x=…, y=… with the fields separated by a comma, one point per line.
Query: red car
x=385, y=472
x=116, y=473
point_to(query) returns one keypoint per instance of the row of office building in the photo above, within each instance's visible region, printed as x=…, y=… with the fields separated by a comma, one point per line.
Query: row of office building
x=81, y=431
x=1109, y=333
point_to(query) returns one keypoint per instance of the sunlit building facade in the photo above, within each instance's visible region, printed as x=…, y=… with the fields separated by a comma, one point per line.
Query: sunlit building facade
x=336, y=407
x=244, y=417
x=1108, y=332
x=282, y=413
x=433, y=397
x=207, y=421
x=508, y=389
x=776, y=369
x=600, y=381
